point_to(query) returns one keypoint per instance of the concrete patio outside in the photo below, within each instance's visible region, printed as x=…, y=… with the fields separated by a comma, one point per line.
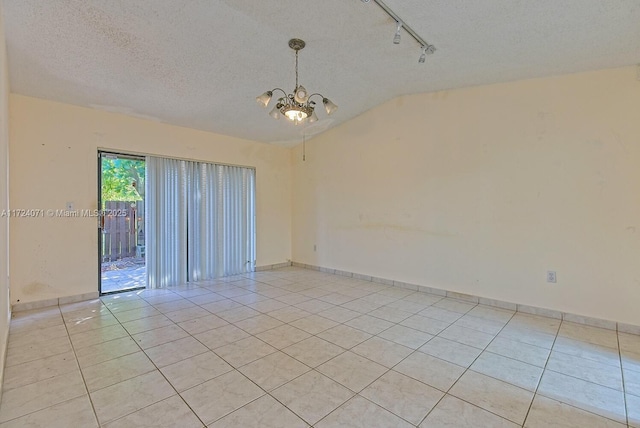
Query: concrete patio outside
x=123, y=274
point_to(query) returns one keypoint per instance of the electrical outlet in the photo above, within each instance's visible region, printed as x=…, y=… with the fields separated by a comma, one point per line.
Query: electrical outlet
x=551, y=276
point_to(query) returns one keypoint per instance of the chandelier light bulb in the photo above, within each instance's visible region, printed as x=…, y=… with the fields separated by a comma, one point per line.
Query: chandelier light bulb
x=291, y=115
x=296, y=114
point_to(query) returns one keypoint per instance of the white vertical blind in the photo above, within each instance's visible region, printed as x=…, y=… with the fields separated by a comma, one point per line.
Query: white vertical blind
x=218, y=217
x=235, y=192
x=165, y=222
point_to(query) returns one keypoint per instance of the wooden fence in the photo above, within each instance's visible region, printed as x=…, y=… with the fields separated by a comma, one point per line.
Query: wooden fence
x=122, y=230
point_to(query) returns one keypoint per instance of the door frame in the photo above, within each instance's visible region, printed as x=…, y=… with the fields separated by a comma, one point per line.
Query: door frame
x=101, y=155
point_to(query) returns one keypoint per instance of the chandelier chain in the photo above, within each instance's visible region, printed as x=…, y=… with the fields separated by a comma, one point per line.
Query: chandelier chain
x=296, y=69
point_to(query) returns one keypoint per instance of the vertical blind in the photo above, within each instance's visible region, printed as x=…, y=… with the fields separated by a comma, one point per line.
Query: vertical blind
x=200, y=221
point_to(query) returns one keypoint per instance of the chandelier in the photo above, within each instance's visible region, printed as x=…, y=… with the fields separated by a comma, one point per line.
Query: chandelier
x=298, y=107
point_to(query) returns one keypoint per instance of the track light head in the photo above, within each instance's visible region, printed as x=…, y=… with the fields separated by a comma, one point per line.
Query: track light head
x=397, y=37
x=427, y=49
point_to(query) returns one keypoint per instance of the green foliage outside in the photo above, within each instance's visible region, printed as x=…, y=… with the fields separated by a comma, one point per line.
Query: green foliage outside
x=122, y=179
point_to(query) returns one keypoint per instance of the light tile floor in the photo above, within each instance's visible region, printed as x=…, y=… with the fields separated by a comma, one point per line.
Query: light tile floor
x=298, y=348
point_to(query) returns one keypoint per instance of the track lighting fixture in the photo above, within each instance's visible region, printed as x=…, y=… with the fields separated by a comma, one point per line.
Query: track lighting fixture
x=298, y=106
x=397, y=37
x=427, y=49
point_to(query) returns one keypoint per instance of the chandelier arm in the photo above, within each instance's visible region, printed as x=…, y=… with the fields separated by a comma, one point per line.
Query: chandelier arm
x=281, y=90
x=320, y=95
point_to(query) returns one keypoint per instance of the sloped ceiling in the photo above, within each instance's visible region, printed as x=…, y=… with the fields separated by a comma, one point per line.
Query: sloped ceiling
x=201, y=63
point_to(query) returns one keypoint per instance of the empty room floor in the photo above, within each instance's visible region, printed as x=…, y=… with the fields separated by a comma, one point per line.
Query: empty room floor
x=297, y=348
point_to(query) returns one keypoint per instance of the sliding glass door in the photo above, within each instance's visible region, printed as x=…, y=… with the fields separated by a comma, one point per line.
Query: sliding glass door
x=121, y=230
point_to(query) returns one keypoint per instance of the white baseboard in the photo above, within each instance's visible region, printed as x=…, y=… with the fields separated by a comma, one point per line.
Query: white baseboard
x=271, y=267
x=27, y=306
x=533, y=310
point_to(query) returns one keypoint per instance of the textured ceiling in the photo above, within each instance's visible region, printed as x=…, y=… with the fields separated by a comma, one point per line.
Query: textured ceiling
x=201, y=63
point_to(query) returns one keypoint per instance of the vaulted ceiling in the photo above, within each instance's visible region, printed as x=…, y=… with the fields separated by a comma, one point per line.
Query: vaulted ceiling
x=201, y=63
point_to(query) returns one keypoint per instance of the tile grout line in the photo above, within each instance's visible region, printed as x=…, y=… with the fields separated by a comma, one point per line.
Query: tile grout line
x=535, y=393
x=73, y=348
x=152, y=362
x=291, y=290
x=268, y=393
x=144, y=352
x=568, y=375
x=581, y=379
x=236, y=369
x=54, y=355
x=468, y=368
x=355, y=394
x=377, y=335
x=624, y=387
x=140, y=350
x=417, y=350
x=311, y=369
x=84, y=381
x=338, y=324
x=311, y=335
x=208, y=350
x=388, y=369
x=162, y=374
x=344, y=323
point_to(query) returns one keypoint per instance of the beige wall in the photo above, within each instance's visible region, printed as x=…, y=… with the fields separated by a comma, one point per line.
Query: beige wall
x=53, y=156
x=4, y=198
x=479, y=190
x=482, y=190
